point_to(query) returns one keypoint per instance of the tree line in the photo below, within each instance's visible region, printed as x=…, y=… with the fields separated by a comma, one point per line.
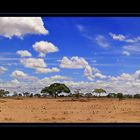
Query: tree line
x=55, y=90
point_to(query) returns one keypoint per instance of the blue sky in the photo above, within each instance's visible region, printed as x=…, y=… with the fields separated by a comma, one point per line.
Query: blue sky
x=111, y=45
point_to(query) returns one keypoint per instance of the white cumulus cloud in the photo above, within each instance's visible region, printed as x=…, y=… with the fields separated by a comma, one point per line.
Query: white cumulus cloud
x=33, y=63
x=18, y=74
x=20, y=26
x=44, y=47
x=38, y=64
x=74, y=62
x=88, y=72
x=22, y=77
x=24, y=53
x=99, y=75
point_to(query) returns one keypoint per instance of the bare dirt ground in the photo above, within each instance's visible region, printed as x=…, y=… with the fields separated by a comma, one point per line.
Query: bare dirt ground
x=66, y=110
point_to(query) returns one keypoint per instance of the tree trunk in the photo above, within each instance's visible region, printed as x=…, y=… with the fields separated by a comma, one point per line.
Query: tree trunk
x=55, y=96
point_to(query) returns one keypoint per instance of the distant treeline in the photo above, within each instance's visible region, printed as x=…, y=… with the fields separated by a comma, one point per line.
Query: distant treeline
x=56, y=90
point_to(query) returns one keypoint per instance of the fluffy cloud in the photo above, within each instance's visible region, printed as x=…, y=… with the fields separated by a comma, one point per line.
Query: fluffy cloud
x=44, y=47
x=38, y=64
x=99, y=75
x=127, y=77
x=18, y=74
x=125, y=83
x=19, y=26
x=77, y=63
x=101, y=41
x=126, y=53
x=22, y=77
x=24, y=53
x=33, y=63
x=47, y=70
x=73, y=63
x=2, y=70
x=88, y=72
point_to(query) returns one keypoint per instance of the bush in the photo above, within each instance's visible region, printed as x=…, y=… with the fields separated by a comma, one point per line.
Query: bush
x=37, y=95
x=3, y=93
x=77, y=95
x=112, y=95
x=137, y=96
x=128, y=96
x=61, y=96
x=88, y=95
x=70, y=95
x=19, y=94
x=120, y=96
x=31, y=95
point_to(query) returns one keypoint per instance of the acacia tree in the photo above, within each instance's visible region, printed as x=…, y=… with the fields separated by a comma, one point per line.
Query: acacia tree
x=3, y=93
x=99, y=91
x=55, y=89
x=120, y=96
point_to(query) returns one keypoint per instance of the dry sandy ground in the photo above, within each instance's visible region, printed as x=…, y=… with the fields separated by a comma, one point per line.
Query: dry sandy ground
x=63, y=110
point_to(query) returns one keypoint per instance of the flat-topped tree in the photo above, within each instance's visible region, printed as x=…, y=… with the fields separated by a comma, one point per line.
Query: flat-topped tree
x=55, y=89
x=99, y=91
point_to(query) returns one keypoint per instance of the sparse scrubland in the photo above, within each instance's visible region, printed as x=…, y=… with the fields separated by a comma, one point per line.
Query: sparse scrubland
x=76, y=107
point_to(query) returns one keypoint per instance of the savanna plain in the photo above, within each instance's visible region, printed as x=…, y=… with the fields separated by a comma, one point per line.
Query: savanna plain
x=67, y=110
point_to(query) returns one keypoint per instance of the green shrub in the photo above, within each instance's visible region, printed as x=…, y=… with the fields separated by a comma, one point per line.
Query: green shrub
x=112, y=95
x=137, y=96
x=31, y=95
x=88, y=95
x=37, y=95
x=128, y=96
x=120, y=96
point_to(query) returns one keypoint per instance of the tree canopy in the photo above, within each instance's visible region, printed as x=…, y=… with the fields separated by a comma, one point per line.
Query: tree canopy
x=137, y=96
x=120, y=96
x=99, y=90
x=112, y=95
x=3, y=92
x=55, y=89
